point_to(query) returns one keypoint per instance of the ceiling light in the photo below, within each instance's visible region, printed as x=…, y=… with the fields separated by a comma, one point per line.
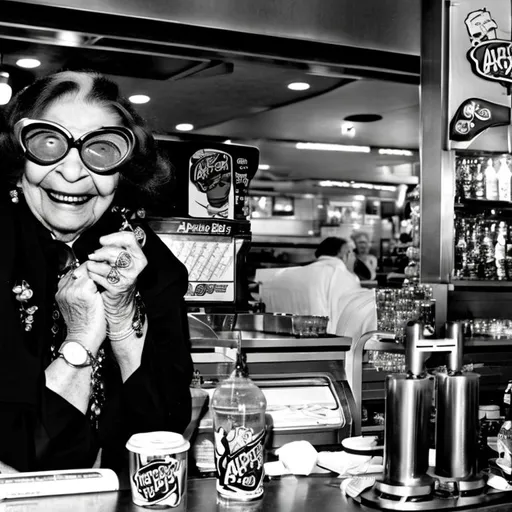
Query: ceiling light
x=28, y=63
x=348, y=130
x=69, y=38
x=264, y=167
x=299, y=86
x=227, y=141
x=139, y=99
x=5, y=88
x=332, y=147
x=184, y=127
x=395, y=152
x=352, y=184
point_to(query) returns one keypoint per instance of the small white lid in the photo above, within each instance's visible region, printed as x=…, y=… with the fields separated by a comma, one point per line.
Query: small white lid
x=157, y=443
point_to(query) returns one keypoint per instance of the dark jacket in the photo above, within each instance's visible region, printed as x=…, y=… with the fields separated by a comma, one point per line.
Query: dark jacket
x=39, y=430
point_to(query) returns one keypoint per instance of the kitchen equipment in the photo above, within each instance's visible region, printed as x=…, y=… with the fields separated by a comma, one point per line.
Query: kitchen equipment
x=408, y=479
x=303, y=379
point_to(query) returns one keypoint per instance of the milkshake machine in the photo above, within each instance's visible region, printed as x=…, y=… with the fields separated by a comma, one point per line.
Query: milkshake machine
x=407, y=476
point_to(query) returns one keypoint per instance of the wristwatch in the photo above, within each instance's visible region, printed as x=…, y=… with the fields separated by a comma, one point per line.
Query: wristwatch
x=75, y=354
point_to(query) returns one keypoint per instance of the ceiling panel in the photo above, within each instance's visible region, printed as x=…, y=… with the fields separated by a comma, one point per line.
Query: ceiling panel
x=319, y=118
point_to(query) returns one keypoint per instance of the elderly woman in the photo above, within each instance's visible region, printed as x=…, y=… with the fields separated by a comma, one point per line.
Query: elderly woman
x=95, y=339
x=366, y=263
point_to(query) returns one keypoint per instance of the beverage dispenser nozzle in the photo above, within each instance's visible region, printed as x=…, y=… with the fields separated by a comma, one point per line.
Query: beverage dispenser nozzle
x=408, y=413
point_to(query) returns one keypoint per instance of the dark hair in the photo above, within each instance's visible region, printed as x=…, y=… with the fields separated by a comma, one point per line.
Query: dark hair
x=140, y=177
x=331, y=246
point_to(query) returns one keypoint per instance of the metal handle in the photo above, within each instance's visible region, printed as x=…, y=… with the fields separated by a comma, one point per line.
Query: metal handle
x=354, y=361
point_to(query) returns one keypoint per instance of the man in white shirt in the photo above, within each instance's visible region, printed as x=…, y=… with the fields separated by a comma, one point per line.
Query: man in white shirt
x=317, y=288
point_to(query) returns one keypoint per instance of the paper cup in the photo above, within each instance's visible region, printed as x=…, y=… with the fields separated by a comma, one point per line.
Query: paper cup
x=158, y=469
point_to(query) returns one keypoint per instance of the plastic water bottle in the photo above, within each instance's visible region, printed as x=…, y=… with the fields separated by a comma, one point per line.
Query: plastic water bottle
x=238, y=408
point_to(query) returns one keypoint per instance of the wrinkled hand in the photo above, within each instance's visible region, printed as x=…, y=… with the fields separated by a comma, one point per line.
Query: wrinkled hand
x=82, y=308
x=116, y=267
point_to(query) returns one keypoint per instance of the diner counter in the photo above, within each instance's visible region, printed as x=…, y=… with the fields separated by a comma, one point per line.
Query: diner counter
x=287, y=494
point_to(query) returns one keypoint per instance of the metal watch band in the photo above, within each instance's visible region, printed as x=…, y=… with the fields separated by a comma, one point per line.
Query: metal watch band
x=90, y=360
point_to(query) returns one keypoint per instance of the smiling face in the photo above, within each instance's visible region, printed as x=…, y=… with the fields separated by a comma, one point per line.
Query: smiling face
x=66, y=197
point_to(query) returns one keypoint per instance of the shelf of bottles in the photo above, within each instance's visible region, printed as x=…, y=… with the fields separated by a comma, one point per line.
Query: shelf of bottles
x=483, y=219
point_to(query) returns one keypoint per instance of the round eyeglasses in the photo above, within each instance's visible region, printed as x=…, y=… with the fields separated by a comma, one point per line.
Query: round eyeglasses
x=101, y=151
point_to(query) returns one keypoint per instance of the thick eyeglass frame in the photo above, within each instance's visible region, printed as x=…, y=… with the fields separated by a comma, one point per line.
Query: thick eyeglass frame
x=23, y=125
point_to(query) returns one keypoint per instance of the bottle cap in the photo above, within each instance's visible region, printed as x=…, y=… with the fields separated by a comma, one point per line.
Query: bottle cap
x=489, y=411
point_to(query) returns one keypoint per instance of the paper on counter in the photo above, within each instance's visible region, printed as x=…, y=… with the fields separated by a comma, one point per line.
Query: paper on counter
x=301, y=458
x=354, y=486
x=53, y=483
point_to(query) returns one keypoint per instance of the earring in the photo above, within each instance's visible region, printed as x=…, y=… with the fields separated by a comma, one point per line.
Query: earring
x=14, y=196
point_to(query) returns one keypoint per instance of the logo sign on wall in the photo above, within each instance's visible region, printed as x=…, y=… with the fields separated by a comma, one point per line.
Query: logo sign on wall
x=479, y=93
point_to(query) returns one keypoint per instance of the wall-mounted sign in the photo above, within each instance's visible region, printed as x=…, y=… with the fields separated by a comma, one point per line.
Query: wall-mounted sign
x=480, y=72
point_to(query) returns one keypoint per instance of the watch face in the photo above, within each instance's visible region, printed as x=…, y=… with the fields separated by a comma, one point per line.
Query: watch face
x=74, y=353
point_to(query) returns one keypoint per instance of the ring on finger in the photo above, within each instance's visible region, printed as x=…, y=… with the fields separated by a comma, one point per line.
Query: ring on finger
x=140, y=235
x=113, y=276
x=124, y=260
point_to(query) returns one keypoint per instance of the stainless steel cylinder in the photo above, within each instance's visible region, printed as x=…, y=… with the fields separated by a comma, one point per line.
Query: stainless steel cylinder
x=457, y=425
x=408, y=407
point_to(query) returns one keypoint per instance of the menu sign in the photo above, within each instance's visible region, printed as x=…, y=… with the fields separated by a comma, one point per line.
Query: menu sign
x=480, y=72
x=209, y=249
x=212, y=178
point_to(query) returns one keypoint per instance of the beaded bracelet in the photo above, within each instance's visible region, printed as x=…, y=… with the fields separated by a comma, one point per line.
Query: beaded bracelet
x=137, y=325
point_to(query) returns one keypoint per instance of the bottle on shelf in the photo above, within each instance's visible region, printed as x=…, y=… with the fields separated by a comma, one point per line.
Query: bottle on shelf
x=487, y=256
x=473, y=250
x=504, y=181
x=478, y=180
x=491, y=181
x=500, y=251
x=460, y=270
x=466, y=177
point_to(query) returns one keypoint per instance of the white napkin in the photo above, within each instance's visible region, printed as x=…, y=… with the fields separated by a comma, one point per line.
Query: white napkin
x=298, y=457
x=301, y=458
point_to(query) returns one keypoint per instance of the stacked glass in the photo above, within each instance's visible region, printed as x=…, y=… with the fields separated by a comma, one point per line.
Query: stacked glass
x=396, y=307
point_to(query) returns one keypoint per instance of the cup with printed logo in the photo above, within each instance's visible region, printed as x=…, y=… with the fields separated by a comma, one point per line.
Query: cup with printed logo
x=158, y=469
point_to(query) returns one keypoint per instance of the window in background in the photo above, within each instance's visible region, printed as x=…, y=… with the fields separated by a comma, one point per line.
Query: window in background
x=261, y=207
x=283, y=205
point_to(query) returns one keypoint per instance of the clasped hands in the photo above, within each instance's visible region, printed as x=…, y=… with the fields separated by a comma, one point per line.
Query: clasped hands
x=98, y=296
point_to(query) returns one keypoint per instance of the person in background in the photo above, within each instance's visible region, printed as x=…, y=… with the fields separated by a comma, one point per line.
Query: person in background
x=315, y=289
x=366, y=263
x=95, y=343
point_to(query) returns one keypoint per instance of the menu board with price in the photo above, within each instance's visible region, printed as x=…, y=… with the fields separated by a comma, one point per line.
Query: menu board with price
x=209, y=249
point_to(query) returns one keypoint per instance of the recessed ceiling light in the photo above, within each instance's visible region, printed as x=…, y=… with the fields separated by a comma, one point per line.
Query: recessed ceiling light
x=348, y=129
x=363, y=118
x=264, y=167
x=184, y=127
x=396, y=152
x=28, y=63
x=139, y=99
x=299, y=86
x=332, y=147
x=69, y=38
